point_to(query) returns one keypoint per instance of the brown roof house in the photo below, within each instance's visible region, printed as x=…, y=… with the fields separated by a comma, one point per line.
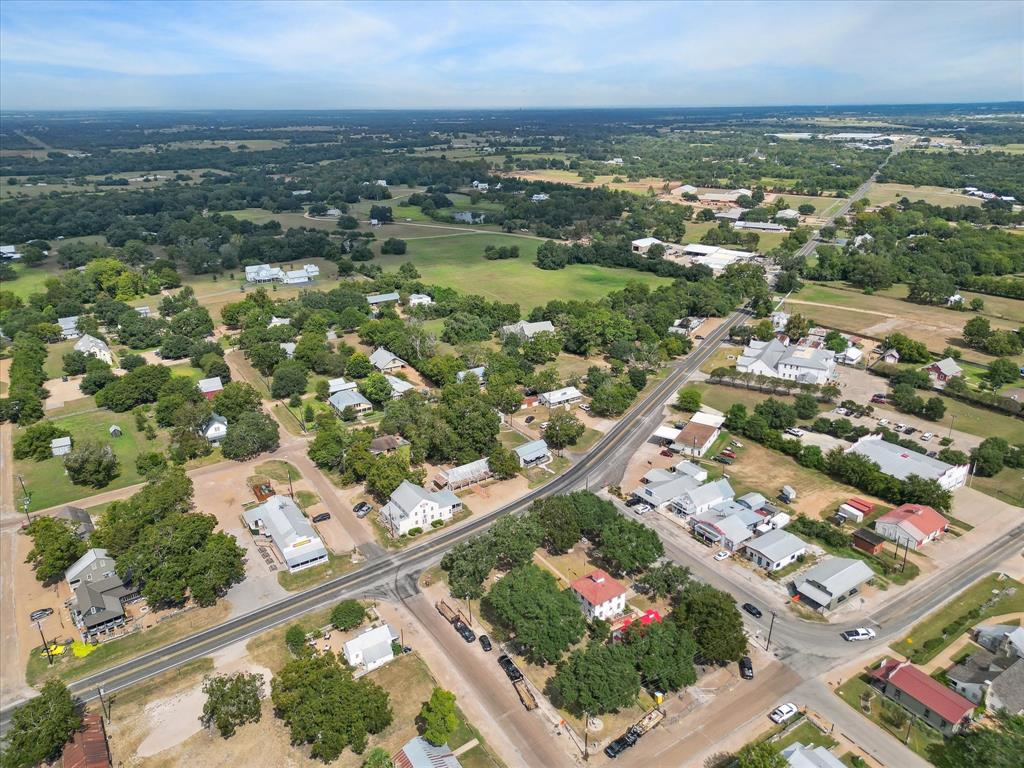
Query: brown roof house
x=88, y=746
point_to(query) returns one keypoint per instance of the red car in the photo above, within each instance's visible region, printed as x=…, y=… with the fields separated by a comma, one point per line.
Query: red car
x=880, y=399
x=667, y=453
x=728, y=453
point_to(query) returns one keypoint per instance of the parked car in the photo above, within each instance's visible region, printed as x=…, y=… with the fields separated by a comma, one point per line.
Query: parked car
x=64, y=378
x=861, y=633
x=900, y=427
x=842, y=411
x=783, y=713
x=883, y=422
x=795, y=432
x=723, y=459
x=584, y=407
x=362, y=509
x=722, y=555
x=746, y=668
x=530, y=419
x=735, y=443
x=753, y=610
x=632, y=501
x=642, y=509
x=909, y=430
x=729, y=452
x=926, y=437
x=545, y=425
x=621, y=744
x=485, y=643
x=321, y=517
x=41, y=613
x=667, y=453
x=932, y=454
x=467, y=634
x=698, y=337
x=511, y=670
x=878, y=399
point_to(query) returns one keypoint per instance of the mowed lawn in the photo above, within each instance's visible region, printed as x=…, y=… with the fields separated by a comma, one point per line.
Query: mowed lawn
x=29, y=280
x=880, y=194
x=457, y=261
x=47, y=481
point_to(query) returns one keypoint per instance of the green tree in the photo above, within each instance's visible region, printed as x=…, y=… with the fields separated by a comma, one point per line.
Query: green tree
x=762, y=754
x=348, y=614
x=688, y=399
x=231, y=701
x=34, y=442
x=545, y=620
x=664, y=654
x=251, y=434
x=376, y=389
x=628, y=546
x=378, y=757
x=75, y=362
x=236, y=398
x=324, y=707
x=612, y=398
x=40, y=727
x=295, y=639
x=664, y=580
x=563, y=430
x=289, y=379
x=934, y=409
x=989, y=457
x=806, y=406
x=358, y=366
x=713, y=619
x=1002, y=371
x=503, y=462
x=512, y=540
x=597, y=680
x=91, y=463
x=55, y=546
x=998, y=747
x=386, y=474
x=437, y=717
x=557, y=518
x=976, y=331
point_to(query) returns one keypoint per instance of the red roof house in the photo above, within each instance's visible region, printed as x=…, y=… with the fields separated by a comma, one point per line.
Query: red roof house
x=88, y=747
x=922, y=695
x=600, y=596
x=911, y=524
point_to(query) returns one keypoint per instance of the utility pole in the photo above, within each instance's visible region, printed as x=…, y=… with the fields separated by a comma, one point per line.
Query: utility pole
x=770, y=628
x=586, y=736
x=46, y=645
x=26, y=498
x=952, y=420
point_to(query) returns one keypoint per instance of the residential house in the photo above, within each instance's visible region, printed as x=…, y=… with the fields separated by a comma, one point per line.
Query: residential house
x=9, y=252
x=90, y=345
x=386, y=362
x=942, y=371
x=411, y=506
x=385, y=444
x=263, y=273
x=376, y=300
x=758, y=226
x=88, y=747
x=60, y=446
x=370, y=649
x=643, y=245
x=727, y=523
x=419, y=300
x=276, y=321
x=772, y=358
x=69, y=327
x=533, y=453
x=420, y=753
x=99, y=595
x=973, y=676
x=78, y=518
x=215, y=429
x=868, y=541
x=339, y=384
x=528, y=330
x=912, y=525
x=698, y=500
x=797, y=755
x=479, y=372
x=899, y=462
x=923, y=696
x=398, y=386
x=861, y=240
x=1001, y=638
x=211, y=387
x=540, y=197
x=1006, y=692
x=890, y=356
x=294, y=538
x=833, y=581
x=350, y=398
x=600, y=596
x=288, y=347
x=333, y=212
x=775, y=549
x=464, y=475
x=565, y=396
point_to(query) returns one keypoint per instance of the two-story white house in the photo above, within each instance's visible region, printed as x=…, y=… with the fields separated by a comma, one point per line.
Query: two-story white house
x=411, y=506
x=600, y=596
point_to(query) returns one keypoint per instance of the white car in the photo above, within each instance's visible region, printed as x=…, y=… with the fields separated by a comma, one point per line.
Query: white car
x=720, y=556
x=926, y=437
x=642, y=509
x=584, y=407
x=861, y=633
x=883, y=422
x=783, y=713
x=545, y=425
x=842, y=411
x=900, y=427
x=795, y=432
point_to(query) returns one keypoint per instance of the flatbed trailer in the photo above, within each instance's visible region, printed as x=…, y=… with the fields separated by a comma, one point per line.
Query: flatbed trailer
x=525, y=694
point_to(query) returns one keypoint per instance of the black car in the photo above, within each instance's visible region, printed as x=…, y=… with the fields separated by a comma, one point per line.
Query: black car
x=632, y=501
x=485, y=643
x=529, y=419
x=753, y=610
x=746, y=668
x=42, y=613
x=621, y=744
x=909, y=430
x=467, y=634
x=510, y=668
x=321, y=517
x=723, y=459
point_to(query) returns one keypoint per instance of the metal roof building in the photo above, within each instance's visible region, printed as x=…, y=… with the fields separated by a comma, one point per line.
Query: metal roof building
x=281, y=519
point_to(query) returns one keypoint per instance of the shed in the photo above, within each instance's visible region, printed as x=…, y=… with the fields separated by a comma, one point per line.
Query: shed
x=850, y=514
x=114, y=430
x=788, y=494
x=868, y=541
x=60, y=446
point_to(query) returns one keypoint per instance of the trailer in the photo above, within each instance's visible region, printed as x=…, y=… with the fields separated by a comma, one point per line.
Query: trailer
x=525, y=694
x=446, y=610
x=648, y=721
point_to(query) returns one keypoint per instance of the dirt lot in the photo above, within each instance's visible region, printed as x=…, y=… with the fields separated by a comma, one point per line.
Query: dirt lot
x=62, y=392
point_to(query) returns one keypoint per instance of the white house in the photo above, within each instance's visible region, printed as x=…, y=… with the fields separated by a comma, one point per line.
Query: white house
x=528, y=330
x=600, y=596
x=699, y=434
x=797, y=755
x=775, y=549
x=276, y=321
x=899, y=462
x=695, y=501
x=69, y=327
x=661, y=486
x=413, y=507
x=215, y=430
x=385, y=361
x=350, y=398
x=540, y=197
x=339, y=385
x=773, y=358
x=60, y=446
x=294, y=538
x=90, y=345
x=479, y=372
x=377, y=299
x=304, y=275
x=565, y=396
x=398, y=386
x=370, y=649
x=289, y=348
x=263, y=273
x=9, y=252
x=419, y=300
x=533, y=453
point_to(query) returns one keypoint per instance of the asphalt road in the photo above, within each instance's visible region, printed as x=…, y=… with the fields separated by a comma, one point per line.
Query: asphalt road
x=397, y=572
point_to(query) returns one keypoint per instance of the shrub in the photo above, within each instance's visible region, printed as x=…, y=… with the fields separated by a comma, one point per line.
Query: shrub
x=437, y=523
x=415, y=531
x=348, y=614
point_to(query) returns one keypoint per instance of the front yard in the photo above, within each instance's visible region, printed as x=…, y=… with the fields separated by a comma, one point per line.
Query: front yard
x=917, y=735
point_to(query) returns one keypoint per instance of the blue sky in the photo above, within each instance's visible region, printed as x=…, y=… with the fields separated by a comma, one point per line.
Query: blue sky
x=308, y=55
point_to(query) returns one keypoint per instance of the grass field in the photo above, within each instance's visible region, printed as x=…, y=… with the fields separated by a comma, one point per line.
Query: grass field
x=48, y=483
x=881, y=194
x=458, y=262
x=29, y=280
x=956, y=615
x=695, y=230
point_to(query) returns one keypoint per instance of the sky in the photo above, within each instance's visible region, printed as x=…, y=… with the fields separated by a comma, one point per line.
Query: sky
x=232, y=54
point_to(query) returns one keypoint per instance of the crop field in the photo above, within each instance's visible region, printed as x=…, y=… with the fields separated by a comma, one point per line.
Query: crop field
x=882, y=194
x=457, y=261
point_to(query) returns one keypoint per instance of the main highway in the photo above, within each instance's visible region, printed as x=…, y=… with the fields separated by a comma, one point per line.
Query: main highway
x=398, y=570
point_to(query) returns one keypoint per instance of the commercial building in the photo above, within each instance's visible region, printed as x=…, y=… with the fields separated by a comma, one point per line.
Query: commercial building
x=464, y=475
x=600, y=596
x=644, y=244
x=833, y=582
x=661, y=487
x=411, y=506
x=899, y=462
x=294, y=538
x=697, y=500
x=775, y=549
x=912, y=525
x=699, y=434
x=564, y=396
x=772, y=358
x=922, y=696
x=758, y=226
